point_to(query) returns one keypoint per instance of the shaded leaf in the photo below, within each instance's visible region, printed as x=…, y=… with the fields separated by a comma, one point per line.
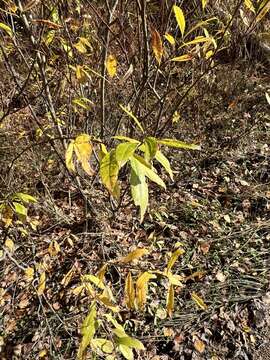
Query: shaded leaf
x=157, y=45
x=174, y=258
x=164, y=162
x=170, y=300
x=151, y=147
x=199, y=301
x=109, y=170
x=130, y=114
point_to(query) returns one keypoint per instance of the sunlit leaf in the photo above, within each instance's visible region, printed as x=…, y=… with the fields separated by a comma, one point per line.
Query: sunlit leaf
x=19, y=209
x=109, y=170
x=126, y=351
x=178, y=144
x=199, y=346
x=131, y=342
x=174, y=279
x=199, y=301
x=6, y=28
x=111, y=65
x=83, y=103
x=170, y=300
x=157, y=45
x=142, y=288
x=25, y=197
x=108, y=303
x=67, y=277
x=170, y=38
x=9, y=244
x=83, y=150
x=123, y=152
x=147, y=171
x=267, y=97
x=129, y=292
x=125, y=138
x=94, y=279
x=7, y=215
x=41, y=284
x=263, y=10
x=204, y=3
x=198, y=40
x=104, y=345
x=180, y=18
x=139, y=187
x=88, y=330
x=69, y=156
x=186, y=57
x=130, y=114
x=174, y=258
x=164, y=162
x=250, y=6
x=133, y=255
x=54, y=248
x=151, y=147
x=101, y=272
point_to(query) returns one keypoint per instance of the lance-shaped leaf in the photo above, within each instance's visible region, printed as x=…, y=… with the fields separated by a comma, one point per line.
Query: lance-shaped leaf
x=131, y=342
x=124, y=151
x=25, y=197
x=178, y=144
x=6, y=28
x=263, y=10
x=157, y=45
x=125, y=138
x=109, y=170
x=19, y=209
x=106, y=346
x=142, y=288
x=41, y=284
x=151, y=147
x=83, y=150
x=180, y=18
x=88, y=330
x=199, y=301
x=204, y=3
x=147, y=171
x=174, y=258
x=170, y=300
x=139, y=188
x=130, y=114
x=69, y=156
x=250, y=6
x=126, y=351
x=129, y=292
x=111, y=65
x=198, y=40
x=133, y=255
x=170, y=38
x=186, y=57
x=164, y=162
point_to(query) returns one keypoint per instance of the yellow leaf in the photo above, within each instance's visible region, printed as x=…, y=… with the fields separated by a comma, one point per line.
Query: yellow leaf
x=109, y=170
x=42, y=353
x=263, y=10
x=129, y=292
x=134, y=255
x=199, y=346
x=29, y=274
x=81, y=74
x=170, y=300
x=67, y=278
x=9, y=244
x=111, y=65
x=69, y=155
x=174, y=257
x=180, y=18
x=157, y=45
x=54, y=248
x=88, y=330
x=41, y=284
x=7, y=215
x=101, y=272
x=94, y=279
x=186, y=57
x=198, y=40
x=142, y=288
x=199, y=301
x=107, y=302
x=83, y=149
x=174, y=279
x=204, y=3
x=170, y=38
x=6, y=28
x=250, y=6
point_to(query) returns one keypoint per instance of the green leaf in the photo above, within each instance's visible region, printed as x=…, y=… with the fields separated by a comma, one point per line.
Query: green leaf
x=109, y=170
x=180, y=18
x=119, y=333
x=127, y=111
x=19, y=209
x=125, y=138
x=126, y=352
x=123, y=152
x=139, y=188
x=69, y=156
x=151, y=147
x=6, y=28
x=88, y=330
x=164, y=162
x=25, y=197
x=131, y=342
x=178, y=144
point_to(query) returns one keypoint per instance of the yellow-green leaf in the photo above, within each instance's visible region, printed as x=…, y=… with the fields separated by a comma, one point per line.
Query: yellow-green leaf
x=104, y=345
x=69, y=156
x=145, y=170
x=88, y=330
x=129, y=292
x=83, y=150
x=111, y=65
x=41, y=284
x=170, y=300
x=180, y=18
x=174, y=279
x=134, y=255
x=199, y=301
x=164, y=162
x=123, y=152
x=109, y=170
x=130, y=114
x=186, y=57
x=174, y=258
x=6, y=28
x=178, y=144
x=151, y=147
x=170, y=38
x=198, y=40
x=204, y=3
x=126, y=138
x=126, y=351
x=157, y=45
x=131, y=342
x=25, y=197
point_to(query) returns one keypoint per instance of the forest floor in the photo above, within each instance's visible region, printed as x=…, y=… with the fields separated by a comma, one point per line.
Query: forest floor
x=217, y=208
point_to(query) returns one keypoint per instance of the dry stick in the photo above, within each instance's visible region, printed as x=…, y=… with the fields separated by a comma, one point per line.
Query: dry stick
x=179, y=102
x=103, y=69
